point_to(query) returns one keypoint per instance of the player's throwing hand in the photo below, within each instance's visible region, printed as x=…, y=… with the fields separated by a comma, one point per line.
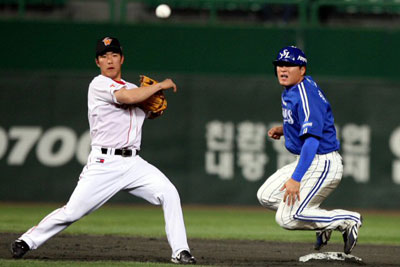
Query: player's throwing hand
x=167, y=84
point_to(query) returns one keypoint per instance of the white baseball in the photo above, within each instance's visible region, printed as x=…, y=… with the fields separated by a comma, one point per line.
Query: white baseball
x=163, y=11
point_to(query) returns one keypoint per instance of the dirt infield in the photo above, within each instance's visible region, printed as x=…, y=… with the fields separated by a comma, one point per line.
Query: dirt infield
x=207, y=252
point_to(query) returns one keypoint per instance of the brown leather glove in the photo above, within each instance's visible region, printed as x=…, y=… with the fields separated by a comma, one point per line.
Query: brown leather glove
x=156, y=103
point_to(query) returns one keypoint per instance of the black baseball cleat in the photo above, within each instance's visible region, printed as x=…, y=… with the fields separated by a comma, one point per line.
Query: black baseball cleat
x=322, y=239
x=184, y=257
x=350, y=237
x=19, y=248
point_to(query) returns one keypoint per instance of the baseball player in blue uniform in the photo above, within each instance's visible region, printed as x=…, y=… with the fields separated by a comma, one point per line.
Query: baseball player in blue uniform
x=297, y=190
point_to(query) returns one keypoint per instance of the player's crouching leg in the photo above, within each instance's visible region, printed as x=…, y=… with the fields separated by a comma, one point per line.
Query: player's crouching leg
x=269, y=195
x=266, y=198
x=285, y=217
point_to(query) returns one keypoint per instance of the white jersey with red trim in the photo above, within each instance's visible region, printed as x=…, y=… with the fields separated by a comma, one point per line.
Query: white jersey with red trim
x=113, y=124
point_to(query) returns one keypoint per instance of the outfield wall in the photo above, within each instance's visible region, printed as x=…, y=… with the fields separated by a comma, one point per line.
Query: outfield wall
x=211, y=142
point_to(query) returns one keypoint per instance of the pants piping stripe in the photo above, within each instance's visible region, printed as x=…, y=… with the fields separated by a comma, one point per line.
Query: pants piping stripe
x=316, y=187
x=326, y=219
x=312, y=193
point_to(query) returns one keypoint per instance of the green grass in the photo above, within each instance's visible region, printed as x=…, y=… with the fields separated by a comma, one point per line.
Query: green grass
x=40, y=263
x=201, y=222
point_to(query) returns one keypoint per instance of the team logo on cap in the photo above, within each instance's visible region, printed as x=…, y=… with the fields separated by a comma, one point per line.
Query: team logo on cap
x=285, y=54
x=107, y=41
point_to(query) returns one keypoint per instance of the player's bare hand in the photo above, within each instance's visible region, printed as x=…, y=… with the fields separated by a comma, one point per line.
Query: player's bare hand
x=292, y=191
x=276, y=132
x=168, y=84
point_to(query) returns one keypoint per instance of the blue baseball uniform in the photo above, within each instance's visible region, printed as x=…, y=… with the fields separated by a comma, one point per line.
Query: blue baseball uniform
x=309, y=132
x=306, y=111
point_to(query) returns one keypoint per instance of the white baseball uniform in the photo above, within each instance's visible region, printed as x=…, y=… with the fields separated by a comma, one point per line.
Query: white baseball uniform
x=322, y=177
x=114, y=126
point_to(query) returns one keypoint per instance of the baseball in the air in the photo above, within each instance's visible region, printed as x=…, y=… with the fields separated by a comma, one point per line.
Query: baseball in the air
x=163, y=11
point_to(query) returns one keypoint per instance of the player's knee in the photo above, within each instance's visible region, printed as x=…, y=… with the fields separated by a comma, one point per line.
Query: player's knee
x=265, y=201
x=260, y=197
x=168, y=191
x=279, y=220
x=169, y=188
x=72, y=216
x=284, y=220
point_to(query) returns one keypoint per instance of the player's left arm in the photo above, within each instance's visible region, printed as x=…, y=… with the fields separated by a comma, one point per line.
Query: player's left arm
x=311, y=111
x=276, y=132
x=140, y=94
x=292, y=186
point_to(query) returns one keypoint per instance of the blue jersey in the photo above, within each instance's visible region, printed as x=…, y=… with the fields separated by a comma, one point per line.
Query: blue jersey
x=306, y=111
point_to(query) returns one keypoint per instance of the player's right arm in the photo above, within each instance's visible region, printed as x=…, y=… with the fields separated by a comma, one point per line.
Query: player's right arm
x=125, y=96
x=292, y=186
x=276, y=132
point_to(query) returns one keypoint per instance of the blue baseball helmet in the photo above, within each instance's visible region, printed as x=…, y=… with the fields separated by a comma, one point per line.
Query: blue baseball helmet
x=291, y=55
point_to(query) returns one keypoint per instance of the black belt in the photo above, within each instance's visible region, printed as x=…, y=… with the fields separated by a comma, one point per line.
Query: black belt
x=124, y=152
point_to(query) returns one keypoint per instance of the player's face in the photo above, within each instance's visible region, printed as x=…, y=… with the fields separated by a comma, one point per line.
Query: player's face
x=110, y=65
x=290, y=75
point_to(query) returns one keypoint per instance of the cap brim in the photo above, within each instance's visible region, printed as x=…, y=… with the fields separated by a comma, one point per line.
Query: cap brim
x=284, y=63
x=109, y=49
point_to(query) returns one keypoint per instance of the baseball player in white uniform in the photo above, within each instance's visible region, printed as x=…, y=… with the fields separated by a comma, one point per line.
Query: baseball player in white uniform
x=114, y=164
x=297, y=190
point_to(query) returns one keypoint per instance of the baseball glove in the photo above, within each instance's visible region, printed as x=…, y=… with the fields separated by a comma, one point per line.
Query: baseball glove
x=156, y=103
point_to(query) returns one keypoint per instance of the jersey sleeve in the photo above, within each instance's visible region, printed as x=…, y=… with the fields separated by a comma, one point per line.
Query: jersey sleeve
x=103, y=90
x=311, y=111
x=308, y=151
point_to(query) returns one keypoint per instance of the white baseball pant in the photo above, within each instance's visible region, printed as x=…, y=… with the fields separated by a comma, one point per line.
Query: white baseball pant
x=99, y=181
x=321, y=178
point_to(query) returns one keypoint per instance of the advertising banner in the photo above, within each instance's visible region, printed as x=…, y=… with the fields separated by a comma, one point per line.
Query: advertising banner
x=211, y=142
